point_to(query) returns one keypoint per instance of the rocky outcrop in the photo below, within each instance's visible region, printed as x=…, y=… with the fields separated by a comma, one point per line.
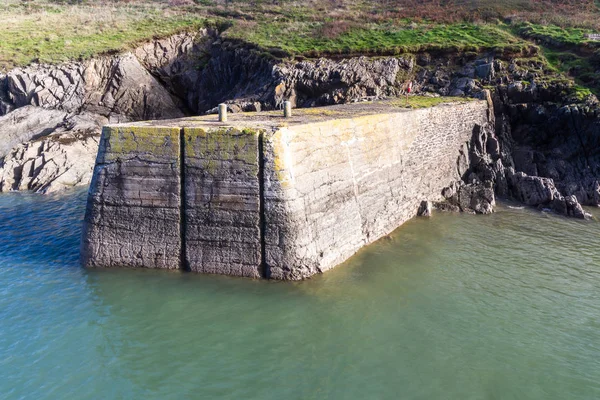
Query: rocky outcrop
x=208, y=70
x=326, y=82
x=553, y=141
x=178, y=62
x=475, y=198
x=553, y=152
x=481, y=165
x=27, y=123
x=61, y=109
x=556, y=146
x=116, y=87
x=50, y=164
x=47, y=150
x=541, y=192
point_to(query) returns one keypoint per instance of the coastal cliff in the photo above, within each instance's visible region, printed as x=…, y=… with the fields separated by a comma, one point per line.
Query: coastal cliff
x=264, y=196
x=544, y=139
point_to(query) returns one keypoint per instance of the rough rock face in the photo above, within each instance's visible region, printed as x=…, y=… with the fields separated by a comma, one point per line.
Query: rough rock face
x=176, y=62
x=481, y=165
x=50, y=164
x=28, y=123
x=555, y=142
x=234, y=74
x=67, y=103
x=60, y=154
x=541, y=192
x=326, y=82
x=117, y=87
x=475, y=197
x=5, y=103
x=247, y=81
x=534, y=133
x=425, y=209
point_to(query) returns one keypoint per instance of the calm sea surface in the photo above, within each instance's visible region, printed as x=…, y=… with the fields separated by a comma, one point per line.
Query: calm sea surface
x=505, y=306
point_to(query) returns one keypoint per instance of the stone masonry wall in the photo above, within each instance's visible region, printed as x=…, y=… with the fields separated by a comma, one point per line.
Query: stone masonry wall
x=268, y=199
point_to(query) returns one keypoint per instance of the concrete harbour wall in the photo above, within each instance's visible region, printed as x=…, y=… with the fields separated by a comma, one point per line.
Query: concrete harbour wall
x=133, y=209
x=263, y=196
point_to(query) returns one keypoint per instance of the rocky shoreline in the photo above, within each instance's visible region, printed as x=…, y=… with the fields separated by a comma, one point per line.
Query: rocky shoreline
x=543, y=148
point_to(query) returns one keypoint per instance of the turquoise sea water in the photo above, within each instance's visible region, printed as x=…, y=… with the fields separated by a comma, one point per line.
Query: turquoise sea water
x=456, y=307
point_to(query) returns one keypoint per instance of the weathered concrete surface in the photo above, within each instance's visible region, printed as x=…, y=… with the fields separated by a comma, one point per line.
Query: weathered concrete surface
x=268, y=196
x=133, y=212
x=222, y=201
x=335, y=186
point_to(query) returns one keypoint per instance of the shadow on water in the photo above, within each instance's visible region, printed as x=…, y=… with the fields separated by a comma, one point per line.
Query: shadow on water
x=42, y=228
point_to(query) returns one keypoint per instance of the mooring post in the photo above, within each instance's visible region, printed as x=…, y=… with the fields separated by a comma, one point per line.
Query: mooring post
x=287, y=109
x=222, y=112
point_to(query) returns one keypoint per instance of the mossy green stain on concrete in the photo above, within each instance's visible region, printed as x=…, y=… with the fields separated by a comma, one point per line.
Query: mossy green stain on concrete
x=155, y=141
x=226, y=143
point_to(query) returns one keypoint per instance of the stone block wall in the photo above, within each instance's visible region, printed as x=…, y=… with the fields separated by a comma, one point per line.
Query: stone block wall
x=278, y=200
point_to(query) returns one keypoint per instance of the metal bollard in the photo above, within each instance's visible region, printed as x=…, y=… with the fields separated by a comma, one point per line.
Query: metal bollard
x=287, y=109
x=222, y=112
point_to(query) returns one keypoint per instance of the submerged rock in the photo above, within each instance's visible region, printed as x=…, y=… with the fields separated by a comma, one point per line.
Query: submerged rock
x=475, y=198
x=532, y=190
x=542, y=193
x=425, y=209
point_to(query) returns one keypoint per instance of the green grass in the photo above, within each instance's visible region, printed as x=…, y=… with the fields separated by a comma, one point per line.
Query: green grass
x=305, y=38
x=580, y=68
x=567, y=51
x=556, y=35
x=56, y=33
x=58, y=30
x=426, y=101
x=52, y=31
x=49, y=47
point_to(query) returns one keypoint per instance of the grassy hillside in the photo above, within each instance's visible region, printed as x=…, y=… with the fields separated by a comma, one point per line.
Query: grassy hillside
x=59, y=30
x=45, y=31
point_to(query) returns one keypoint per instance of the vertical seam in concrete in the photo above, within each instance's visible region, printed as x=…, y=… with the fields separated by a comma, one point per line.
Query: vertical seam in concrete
x=183, y=263
x=265, y=270
x=355, y=190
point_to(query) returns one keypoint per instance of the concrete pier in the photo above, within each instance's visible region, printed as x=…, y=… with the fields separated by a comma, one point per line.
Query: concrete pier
x=262, y=195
